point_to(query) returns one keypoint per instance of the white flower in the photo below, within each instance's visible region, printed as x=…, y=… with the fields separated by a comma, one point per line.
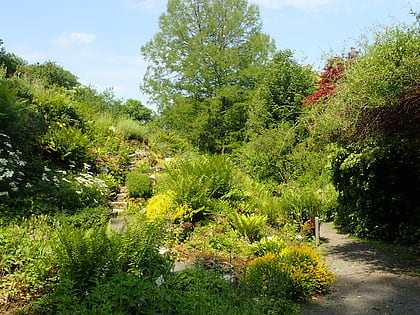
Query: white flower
x=8, y=173
x=28, y=185
x=21, y=163
x=159, y=281
x=47, y=169
x=44, y=177
x=4, y=193
x=3, y=161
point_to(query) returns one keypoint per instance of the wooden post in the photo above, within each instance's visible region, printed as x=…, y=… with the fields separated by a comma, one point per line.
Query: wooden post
x=317, y=226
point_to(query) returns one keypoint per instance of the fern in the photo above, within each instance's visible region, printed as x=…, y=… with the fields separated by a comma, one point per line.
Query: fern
x=249, y=226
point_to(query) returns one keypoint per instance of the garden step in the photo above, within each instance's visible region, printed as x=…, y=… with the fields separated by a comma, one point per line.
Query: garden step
x=120, y=196
x=123, y=189
x=118, y=204
x=117, y=211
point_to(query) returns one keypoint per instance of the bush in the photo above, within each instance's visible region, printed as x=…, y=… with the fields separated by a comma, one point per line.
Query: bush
x=138, y=252
x=138, y=184
x=10, y=110
x=265, y=157
x=199, y=182
x=296, y=273
x=163, y=206
x=131, y=129
x=301, y=204
x=67, y=145
x=86, y=257
x=377, y=187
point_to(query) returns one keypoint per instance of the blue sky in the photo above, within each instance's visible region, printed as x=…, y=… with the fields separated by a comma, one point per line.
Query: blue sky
x=99, y=40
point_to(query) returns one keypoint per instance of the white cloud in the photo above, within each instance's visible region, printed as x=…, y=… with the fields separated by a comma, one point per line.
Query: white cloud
x=302, y=4
x=74, y=38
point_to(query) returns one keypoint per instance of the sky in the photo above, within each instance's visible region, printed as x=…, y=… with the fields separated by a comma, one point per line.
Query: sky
x=99, y=41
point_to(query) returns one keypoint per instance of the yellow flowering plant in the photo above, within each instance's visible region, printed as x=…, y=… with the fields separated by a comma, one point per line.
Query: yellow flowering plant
x=163, y=206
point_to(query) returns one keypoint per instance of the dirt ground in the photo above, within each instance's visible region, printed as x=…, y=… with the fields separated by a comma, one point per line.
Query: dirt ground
x=369, y=281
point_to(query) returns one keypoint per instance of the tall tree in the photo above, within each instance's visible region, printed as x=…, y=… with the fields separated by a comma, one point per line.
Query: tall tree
x=280, y=93
x=206, y=53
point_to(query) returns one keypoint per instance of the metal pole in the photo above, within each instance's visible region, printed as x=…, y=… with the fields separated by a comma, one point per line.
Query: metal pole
x=317, y=231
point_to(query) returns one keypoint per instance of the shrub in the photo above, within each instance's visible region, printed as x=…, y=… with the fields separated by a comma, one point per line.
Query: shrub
x=86, y=257
x=377, y=187
x=300, y=204
x=265, y=157
x=139, y=253
x=67, y=145
x=12, y=176
x=10, y=110
x=138, y=184
x=131, y=129
x=163, y=206
x=199, y=181
x=296, y=273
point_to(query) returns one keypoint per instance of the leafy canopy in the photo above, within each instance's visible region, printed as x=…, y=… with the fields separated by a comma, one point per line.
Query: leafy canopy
x=203, y=46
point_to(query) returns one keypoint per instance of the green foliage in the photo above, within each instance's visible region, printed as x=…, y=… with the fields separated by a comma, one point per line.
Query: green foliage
x=67, y=145
x=386, y=71
x=139, y=248
x=266, y=156
x=10, y=109
x=377, y=187
x=54, y=105
x=200, y=181
x=296, y=273
x=199, y=82
x=86, y=217
x=85, y=257
x=10, y=61
x=131, y=129
x=195, y=61
x=12, y=176
x=280, y=93
x=26, y=262
x=49, y=73
x=138, y=184
x=267, y=245
x=169, y=143
x=249, y=225
x=137, y=111
x=301, y=204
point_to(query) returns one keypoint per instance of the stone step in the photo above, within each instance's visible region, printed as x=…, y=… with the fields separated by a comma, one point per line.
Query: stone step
x=123, y=189
x=120, y=196
x=118, y=204
x=117, y=211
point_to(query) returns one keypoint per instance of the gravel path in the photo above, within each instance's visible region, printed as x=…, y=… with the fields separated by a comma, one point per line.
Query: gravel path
x=368, y=280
